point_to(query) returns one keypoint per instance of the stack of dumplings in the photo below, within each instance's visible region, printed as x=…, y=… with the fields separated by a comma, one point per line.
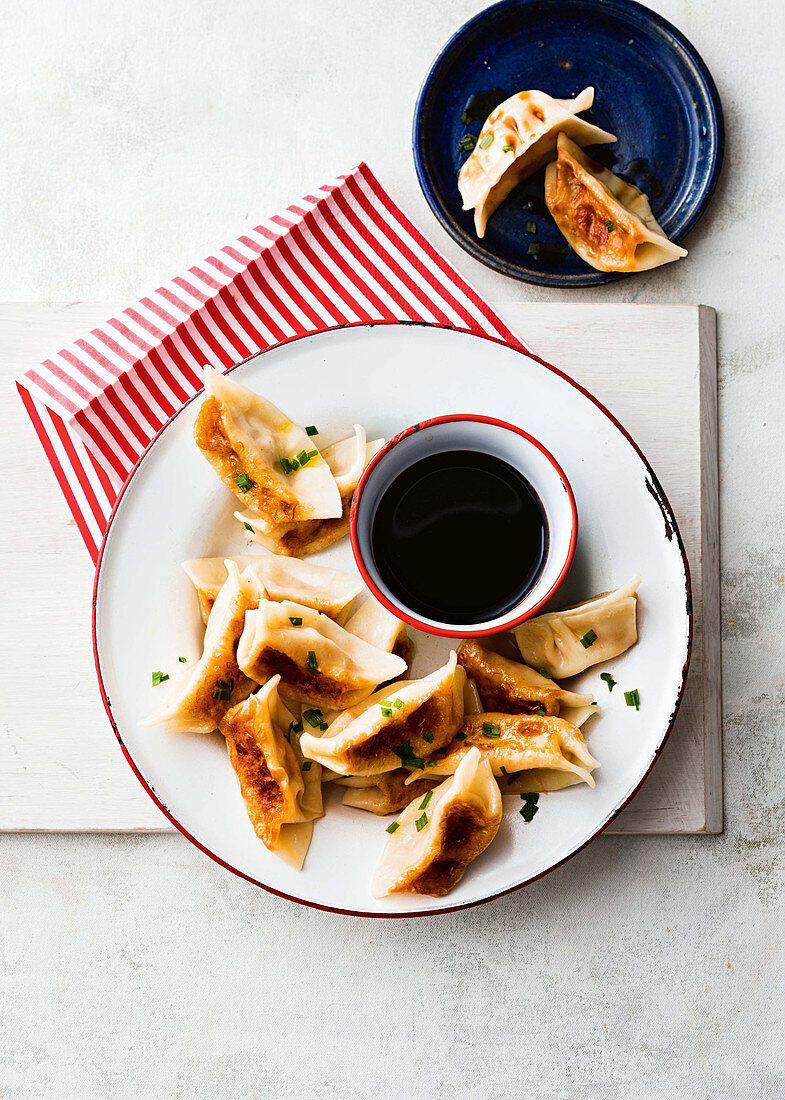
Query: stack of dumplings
x=306, y=679
x=606, y=220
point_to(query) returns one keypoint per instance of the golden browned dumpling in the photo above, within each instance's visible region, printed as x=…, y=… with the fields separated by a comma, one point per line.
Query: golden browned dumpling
x=606, y=220
x=517, y=138
x=438, y=835
x=511, y=687
x=384, y=793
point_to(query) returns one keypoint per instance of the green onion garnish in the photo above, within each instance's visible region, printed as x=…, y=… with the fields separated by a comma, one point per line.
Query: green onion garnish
x=183, y=660
x=421, y=822
x=503, y=770
x=222, y=693
x=487, y=141
x=609, y=680
x=467, y=142
x=243, y=482
x=303, y=456
x=311, y=430
x=490, y=730
x=426, y=800
x=248, y=527
x=466, y=118
x=533, y=249
x=323, y=726
x=540, y=710
x=398, y=704
x=461, y=736
x=431, y=763
x=294, y=727
x=295, y=620
x=531, y=227
x=159, y=677
x=313, y=717
x=633, y=698
x=289, y=466
x=307, y=765
x=511, y=778
x=542, y=672
x=386, y=712
x=313, y=666
x=529, y=807
x=427, y=737
x=393, y=827
x=610, y=226
x=508, y=148
x=588, y=639
x=407, y=757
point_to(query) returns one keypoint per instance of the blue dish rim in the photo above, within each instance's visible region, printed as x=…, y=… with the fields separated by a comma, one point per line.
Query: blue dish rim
x=553, y=279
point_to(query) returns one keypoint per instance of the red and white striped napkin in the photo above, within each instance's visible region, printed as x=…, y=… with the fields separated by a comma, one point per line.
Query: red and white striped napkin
x=343, y=255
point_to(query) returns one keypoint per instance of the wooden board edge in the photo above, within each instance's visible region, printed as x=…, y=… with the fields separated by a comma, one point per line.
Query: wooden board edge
x=710, y=573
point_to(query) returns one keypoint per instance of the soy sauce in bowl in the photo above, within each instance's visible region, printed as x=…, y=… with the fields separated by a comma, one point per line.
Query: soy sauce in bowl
x=460, y=536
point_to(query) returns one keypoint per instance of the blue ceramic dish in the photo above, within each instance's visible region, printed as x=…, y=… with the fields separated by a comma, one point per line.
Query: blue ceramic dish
x=652, y=90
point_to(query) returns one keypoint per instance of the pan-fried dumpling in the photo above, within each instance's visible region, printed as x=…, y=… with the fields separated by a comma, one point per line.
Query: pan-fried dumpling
x=384, y=793
x=438, y=835
x=282, y=799
x=606, y=220
x=379, y=627
x=267, y=461
x=401, y=724
x=564, y=643
x=511, y=687
x=278, y=578
x=347, y=460
x=319, y=662
x=216, y=683
x=472, y=703
x=517, y=742
x=517, y=138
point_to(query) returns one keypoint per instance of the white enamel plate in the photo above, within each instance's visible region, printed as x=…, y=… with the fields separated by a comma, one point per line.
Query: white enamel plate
x=387, y=377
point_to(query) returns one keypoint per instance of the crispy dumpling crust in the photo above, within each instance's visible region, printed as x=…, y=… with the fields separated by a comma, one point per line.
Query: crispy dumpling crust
x=463, y=816
x=605, y=219
x=510, y=687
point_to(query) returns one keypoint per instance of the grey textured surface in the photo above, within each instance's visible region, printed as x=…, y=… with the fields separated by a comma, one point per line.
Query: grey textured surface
x=135, y=138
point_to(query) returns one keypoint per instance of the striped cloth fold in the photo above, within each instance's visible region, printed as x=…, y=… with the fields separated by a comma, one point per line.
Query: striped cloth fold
x=343, y=255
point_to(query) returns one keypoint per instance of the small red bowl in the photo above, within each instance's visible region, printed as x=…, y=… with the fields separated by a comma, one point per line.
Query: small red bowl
x=465, y=431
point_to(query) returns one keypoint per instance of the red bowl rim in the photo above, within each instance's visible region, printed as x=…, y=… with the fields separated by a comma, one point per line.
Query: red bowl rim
x=408, y=616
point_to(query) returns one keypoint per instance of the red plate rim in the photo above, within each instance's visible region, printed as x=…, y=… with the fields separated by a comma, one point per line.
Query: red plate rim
x=407, y=616
x=657, y=492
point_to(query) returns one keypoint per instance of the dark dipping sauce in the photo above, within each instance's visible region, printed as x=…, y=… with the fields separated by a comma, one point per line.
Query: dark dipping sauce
x=459, y=537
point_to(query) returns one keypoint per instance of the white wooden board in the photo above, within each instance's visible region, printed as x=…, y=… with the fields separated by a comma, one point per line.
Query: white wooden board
x=60, y=767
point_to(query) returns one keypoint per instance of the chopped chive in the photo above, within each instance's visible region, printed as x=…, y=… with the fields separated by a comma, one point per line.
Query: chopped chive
x=159, y=677
x=466, y=118
x=398, y=704
x=243, y=482
x=313, y=666
x=307, y=765
x=531, y=227
x=248, y=527
x=633, y=698
x=467, y=143
x=313, y=717
x=427, y=737
x=323, y=726
x=490, y=730
x=294, y=727
x=393, y=827
x=223, y=694
x=503, y=770
x=408, y=758
x=311, y=429
x=183, y=660
x=431, y=763
x=289, y=466
x=531, y=796
x=511, y=778
x=461, y=736
x=609, y=680
x=529, y=807
x=508, y=148
x=533, y=249
x=540, y=710
x=295, y=620
x=487, y=141
x=542, y=672
x=303, y=456
x=427, y=798
x=386, y=712
x=588, y=639
x=385, y=702
x=610, y=226
x=421, y=822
